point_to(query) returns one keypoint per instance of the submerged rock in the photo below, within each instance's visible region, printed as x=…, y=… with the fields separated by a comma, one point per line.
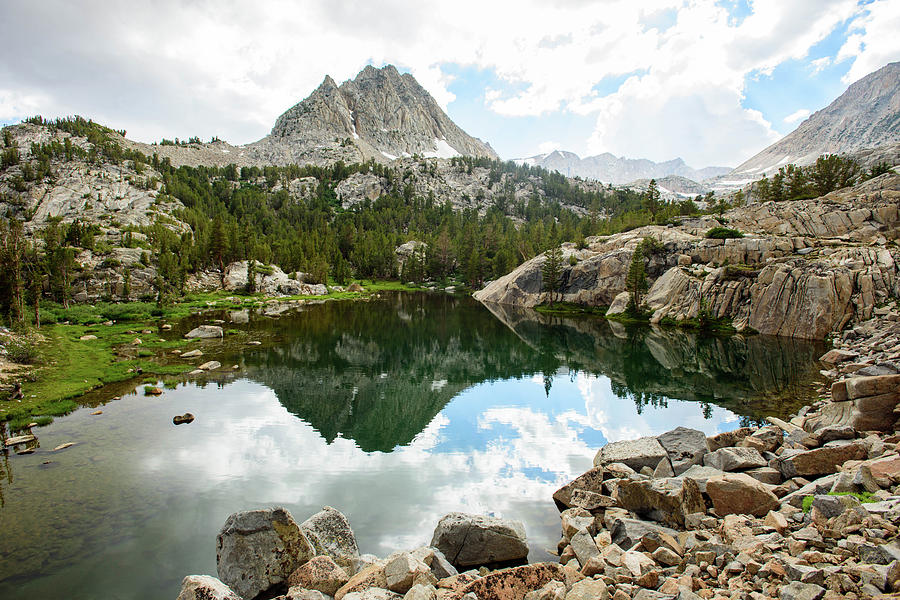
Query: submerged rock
x=205, y=332
x=185, y=418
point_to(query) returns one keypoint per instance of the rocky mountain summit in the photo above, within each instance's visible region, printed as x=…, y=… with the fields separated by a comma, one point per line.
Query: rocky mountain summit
x=609, y=168
x=802, y=269
x=867, y=115
x=380, y=114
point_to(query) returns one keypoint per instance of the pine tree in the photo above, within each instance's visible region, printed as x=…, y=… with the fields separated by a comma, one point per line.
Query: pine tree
x=636, y=280
x=251, y=276
x=651, y=199
x=551, y=272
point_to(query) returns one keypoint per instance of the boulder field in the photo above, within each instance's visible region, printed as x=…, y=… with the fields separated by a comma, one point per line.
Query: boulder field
x=803, y=269
x=805, y=509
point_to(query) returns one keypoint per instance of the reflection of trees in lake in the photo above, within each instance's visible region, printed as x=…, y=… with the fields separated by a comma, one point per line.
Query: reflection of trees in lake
x=378, y=372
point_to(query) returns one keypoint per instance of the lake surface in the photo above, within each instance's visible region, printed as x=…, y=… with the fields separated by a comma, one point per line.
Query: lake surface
x=396, y=411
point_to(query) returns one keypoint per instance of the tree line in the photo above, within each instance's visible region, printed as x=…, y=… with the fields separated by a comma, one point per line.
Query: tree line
x=252, y=213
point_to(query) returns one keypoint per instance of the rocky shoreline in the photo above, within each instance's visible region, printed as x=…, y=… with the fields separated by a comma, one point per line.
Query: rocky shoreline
x=806, y=509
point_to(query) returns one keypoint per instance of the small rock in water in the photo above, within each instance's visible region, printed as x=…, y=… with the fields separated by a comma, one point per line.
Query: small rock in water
x=254, y=343
x=192, y=354
x=63, y=446
x=185, y=418
x=153, y=392
x=210, y=366
x=205, y=332
x=20, y=439
x=97, y=412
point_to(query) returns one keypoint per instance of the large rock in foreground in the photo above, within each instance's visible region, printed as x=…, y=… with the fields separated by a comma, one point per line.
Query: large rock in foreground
x=257, y=549
x=329, y=532
x=473, y=540
x=204, y=587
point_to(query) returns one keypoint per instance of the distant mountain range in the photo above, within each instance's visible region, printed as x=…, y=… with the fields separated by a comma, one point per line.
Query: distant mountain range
x=867, y=115
x=609, y=168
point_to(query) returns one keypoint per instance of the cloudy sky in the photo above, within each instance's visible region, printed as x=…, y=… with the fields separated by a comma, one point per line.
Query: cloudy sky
x=711, y=81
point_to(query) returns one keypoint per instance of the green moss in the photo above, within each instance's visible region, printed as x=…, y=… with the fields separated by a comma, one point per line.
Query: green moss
x=864, y=497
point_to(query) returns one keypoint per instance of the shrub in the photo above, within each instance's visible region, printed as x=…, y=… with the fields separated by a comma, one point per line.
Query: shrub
x=723, y=233
x=21, y=351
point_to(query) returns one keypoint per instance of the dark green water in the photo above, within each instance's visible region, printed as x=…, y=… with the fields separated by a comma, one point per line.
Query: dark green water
x=395, y=411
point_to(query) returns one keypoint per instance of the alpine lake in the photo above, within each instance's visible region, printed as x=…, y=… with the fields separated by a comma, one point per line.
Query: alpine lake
x=395, y=410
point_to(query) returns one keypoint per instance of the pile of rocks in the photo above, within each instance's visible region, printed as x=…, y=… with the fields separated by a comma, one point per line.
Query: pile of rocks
x=262, y=553
x=755, y=513
x=871, y=347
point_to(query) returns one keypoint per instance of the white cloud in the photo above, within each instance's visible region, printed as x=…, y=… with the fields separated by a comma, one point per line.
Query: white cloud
x=797, y=115
x=229, y=69
x=819, y=64
x=874, y=41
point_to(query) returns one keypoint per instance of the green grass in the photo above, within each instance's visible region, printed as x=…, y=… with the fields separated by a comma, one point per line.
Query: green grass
x=570, y=308
x=68, y=367
x=723, y=325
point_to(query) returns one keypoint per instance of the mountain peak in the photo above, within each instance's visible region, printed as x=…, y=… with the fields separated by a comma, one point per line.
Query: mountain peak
x=610, y=168
x=378, y=114
x=867, y=115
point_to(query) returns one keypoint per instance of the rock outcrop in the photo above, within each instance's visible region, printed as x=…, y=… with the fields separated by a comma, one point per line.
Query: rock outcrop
x=270, y=280
x=804, y=269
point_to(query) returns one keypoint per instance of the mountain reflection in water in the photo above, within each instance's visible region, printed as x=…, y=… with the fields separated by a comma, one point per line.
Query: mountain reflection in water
x=379, y=376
